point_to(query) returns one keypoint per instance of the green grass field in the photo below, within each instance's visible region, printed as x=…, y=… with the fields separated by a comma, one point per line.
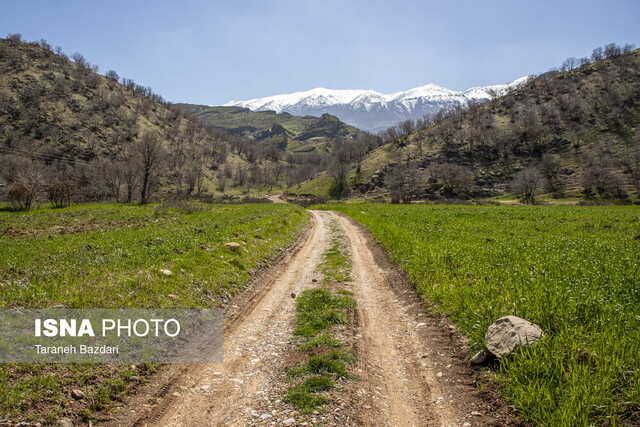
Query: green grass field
x=113, y=256
x=95, y=256
x=575, y=271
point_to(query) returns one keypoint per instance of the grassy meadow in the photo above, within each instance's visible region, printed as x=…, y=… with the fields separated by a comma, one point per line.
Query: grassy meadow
x=107, y=256
x=575, y=271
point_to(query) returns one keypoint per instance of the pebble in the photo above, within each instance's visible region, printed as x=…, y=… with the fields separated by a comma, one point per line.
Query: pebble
x=166, y=272
x=266, y=416
x=289, y=421
x=77, y=394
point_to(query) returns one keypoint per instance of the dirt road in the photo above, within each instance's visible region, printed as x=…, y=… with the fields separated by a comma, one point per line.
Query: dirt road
x=412, y=368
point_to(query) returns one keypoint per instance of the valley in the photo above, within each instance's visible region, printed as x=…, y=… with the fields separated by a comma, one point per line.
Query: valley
x=361, y=245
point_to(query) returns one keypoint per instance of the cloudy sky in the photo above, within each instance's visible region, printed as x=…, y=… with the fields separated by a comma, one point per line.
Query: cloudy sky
x=210, y=52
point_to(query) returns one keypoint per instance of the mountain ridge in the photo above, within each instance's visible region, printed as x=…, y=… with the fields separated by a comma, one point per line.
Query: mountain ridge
x=373, y=111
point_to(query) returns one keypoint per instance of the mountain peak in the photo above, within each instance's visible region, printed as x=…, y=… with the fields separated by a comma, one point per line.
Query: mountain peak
x=370, y=110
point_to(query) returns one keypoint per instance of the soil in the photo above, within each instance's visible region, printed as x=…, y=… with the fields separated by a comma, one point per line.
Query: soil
x=412, y=367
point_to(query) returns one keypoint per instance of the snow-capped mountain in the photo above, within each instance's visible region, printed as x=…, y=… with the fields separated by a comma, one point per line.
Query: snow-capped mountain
x=370, y=110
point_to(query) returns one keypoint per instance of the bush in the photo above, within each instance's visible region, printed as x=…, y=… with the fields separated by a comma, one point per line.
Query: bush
x=61, y=191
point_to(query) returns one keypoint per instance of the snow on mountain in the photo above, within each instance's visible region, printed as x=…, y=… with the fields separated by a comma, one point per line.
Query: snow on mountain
x=370, y=110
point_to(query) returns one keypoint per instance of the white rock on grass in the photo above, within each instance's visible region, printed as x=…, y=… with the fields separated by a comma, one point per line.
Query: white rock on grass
x=233, y=246
x=508, y=333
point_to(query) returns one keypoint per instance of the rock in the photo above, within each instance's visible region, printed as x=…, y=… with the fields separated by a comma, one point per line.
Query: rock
x=289, y=421
x=293, y=295
x=77, y=394
x=172, y=296
x=166, y=272
x=134, y=378
x=266, y=416
x=233, y=246
x=479, y=358
x=65, y=422
x=508, y=333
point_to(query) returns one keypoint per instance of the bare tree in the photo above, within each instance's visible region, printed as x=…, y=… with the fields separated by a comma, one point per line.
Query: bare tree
x=113, y=75
x=526, y=184
x=601, y=177
x=403, y=182
x=569, y=64
x=24, y=190
x=60, y=191
x=455, y=180
x=149, y=156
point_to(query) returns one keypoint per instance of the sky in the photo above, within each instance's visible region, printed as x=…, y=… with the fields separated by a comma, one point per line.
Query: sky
x=211, y=52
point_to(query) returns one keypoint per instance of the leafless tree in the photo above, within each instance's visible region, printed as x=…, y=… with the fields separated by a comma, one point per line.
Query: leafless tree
x=24, y=190
x=149, y=156
x=526, y=184
x=455, y=180
x=403, y=181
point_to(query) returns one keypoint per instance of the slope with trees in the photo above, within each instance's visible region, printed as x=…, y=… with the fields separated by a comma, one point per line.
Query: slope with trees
x=69, y=134
x=571, y=132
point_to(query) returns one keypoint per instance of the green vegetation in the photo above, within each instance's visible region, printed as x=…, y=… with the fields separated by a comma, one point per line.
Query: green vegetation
x=336, y=262
x=287, y=132
x=333, y=363
x=114, y=256
x=573, y=271
x=304, y=397
x=318, y=312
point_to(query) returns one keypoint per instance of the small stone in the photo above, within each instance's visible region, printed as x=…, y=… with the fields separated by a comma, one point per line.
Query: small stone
x=134, y=378
x=77, y=394
x=233, y=246
x=420, y=325
x=166, y=272
x=65, y=422
x=172, y=296
x=467, y=424
x=205, y=387
x=476, y=414
x=479, y=358
x=439, y=374
x=266, y=416
x=289, y=421
x=176, y=394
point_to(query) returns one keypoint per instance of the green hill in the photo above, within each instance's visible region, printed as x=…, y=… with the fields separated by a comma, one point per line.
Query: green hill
x=70, y=134
x=571, y=134
x=287, y=132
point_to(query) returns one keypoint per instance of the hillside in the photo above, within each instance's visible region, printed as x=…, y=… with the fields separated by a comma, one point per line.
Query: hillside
x=70, y=134
x=283, y=130
x=565, y=134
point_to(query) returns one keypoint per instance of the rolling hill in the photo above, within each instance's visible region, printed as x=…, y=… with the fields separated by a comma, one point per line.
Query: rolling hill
x=571, y=134
x=286, y=131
